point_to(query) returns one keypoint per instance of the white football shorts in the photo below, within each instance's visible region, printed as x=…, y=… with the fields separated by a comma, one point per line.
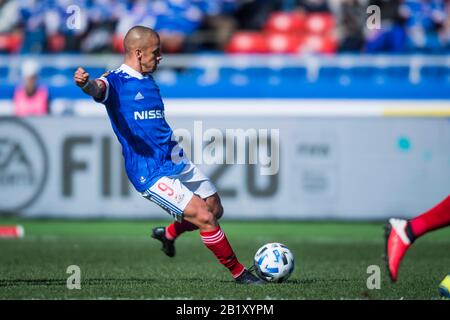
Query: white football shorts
x=173, y=193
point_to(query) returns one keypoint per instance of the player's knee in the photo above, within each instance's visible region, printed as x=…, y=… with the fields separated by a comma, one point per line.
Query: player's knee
x=218, y=211
x=206, y=217
x=215, y=206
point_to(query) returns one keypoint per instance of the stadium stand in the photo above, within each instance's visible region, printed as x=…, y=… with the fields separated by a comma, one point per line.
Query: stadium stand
x=31, y=26
x=279, y=49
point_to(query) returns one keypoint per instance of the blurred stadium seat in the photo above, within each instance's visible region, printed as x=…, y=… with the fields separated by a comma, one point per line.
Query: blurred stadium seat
x=315, y=43
x=288, y=22
x=247, y=42
x=283, y=43
x=118, y=43
x=10, y=42
x=56, y=42
x=319, y=23
x=435, y=73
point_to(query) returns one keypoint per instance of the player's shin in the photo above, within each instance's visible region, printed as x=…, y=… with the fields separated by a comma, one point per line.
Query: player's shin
x=217, y=242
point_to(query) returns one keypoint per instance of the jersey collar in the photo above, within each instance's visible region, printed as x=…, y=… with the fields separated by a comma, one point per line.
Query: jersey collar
x=129, y=70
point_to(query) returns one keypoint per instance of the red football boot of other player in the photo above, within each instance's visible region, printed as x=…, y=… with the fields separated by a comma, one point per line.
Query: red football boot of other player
x=397, y=243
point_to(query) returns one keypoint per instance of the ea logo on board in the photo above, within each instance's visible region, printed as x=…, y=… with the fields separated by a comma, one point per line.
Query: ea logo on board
x=23, y=165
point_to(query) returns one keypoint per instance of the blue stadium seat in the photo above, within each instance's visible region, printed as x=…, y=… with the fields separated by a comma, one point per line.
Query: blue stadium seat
x=363, y=73
x=191, y=74
x=396, y=73
x=259, y=72
x=327, y=73
x=438, y=73
x=234, y=75
x=48, y=72
x=227, y=72
x=291, y=72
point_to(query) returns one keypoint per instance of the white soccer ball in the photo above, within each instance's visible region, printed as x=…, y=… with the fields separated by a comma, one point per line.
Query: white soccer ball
x=274, y=262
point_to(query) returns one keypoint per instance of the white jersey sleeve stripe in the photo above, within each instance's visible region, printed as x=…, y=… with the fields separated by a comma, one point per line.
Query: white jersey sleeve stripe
x=105, y=81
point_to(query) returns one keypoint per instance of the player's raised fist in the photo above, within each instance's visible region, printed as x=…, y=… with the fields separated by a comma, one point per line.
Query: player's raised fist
x=81, y=77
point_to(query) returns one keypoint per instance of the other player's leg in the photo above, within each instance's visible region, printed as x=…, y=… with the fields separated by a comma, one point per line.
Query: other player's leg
x=400, y=234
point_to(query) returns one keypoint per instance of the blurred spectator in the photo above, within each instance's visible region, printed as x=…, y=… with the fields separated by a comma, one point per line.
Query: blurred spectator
x=72, y=31
x=30, y=99
x=102, y=21
x=352, y=18
x=10, y=31
x=313, y=6
x=217, y=27
x=444, y=32
x=391, y=37
x=32, y=16
x=424, y=20
x=253, y=14
x=9, y=15
x=174, y=20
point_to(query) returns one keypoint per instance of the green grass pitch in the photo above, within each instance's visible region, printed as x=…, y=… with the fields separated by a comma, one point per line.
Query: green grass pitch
x=119, y=260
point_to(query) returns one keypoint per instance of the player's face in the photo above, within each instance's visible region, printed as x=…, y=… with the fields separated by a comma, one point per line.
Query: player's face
x=151, y=56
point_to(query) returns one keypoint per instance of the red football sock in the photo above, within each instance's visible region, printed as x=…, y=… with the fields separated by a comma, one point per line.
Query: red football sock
x=217, y=242
x=435, y=218
x=175, y=229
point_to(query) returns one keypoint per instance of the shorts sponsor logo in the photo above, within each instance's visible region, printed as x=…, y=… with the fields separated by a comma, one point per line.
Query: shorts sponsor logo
x=179, y=197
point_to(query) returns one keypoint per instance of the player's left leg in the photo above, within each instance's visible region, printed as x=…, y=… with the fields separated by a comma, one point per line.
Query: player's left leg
x=400, y=234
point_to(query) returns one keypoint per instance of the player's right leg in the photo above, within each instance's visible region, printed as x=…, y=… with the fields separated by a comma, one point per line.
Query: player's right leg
x=172, y=195
x=400, y=234
x=214, y=238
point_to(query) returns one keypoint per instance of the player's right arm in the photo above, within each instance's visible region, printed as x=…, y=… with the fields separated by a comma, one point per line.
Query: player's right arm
x=95, y=88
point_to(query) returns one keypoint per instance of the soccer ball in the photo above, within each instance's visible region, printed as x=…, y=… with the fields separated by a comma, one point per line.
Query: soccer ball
x=444, y=287
x=274, y=262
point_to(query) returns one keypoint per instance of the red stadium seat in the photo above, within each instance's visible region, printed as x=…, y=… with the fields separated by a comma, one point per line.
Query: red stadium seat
x=283, y=42
x=56, y=43
x=285, y=22
x=247, y=42
x=15, y=42
x=118, y=43
x=10, y=42
x=314, y=43
x=319, y=23
x=4, y=42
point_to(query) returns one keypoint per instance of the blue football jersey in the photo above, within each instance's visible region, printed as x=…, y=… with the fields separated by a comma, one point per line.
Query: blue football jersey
x=136, y=112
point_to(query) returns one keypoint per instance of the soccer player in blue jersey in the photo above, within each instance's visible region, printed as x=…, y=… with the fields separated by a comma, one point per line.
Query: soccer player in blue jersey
x=154, y=163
